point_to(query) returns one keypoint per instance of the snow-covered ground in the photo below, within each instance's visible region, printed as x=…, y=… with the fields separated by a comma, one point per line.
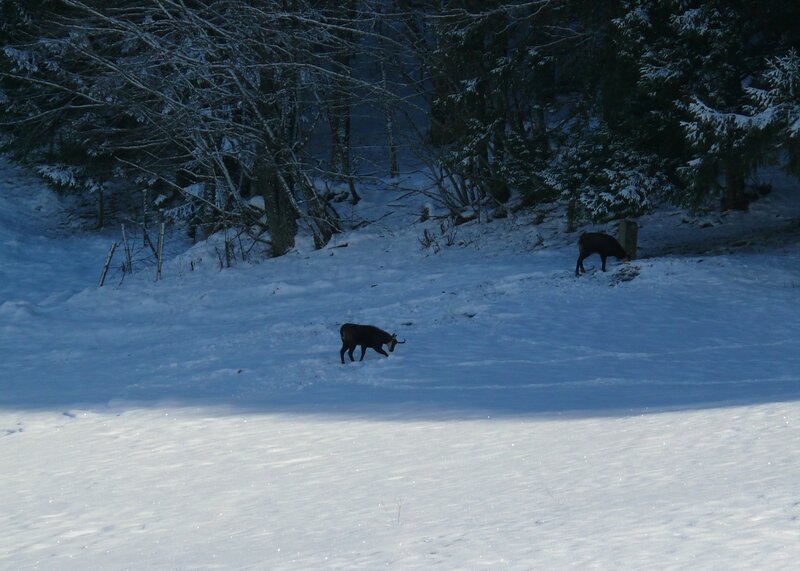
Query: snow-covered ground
x=644, y=418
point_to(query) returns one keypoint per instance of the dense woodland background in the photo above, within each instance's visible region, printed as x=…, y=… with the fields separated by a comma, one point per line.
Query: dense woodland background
x=268, y=115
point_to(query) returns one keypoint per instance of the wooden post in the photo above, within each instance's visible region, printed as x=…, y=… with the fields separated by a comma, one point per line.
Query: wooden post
x=628, y=235
x=129, y=266
x=107, y=264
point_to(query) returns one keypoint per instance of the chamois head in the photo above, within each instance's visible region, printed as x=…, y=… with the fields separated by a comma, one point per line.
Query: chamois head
x=393, y=342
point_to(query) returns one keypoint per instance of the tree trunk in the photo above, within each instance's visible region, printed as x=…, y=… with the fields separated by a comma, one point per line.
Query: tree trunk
x=628, y=234
x=394, y=167
x=734, y=198
x=340, y=108
x=281, y=215
x=572, y=214
x=443, y=124
x=101, y=220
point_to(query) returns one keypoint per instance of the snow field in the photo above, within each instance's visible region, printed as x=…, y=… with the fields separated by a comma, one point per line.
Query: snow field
x=531, y=421
x=165, y=487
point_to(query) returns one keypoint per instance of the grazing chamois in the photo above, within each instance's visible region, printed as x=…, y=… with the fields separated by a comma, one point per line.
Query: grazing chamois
x=367, y=336
x=598, y=243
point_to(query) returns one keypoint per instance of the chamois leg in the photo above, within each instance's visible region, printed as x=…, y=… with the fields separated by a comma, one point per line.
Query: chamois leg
x=381, y=351
x=350, y=353
x=363, y=350
x=341, y=353
x=604, y=261
x=579, y=266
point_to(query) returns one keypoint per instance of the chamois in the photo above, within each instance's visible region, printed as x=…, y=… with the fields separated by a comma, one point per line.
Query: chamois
x=367, y=336
x=598, y=243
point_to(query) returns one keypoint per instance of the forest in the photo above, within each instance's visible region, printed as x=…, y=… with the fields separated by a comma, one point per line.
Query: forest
x=424, y=168
x=269, y=115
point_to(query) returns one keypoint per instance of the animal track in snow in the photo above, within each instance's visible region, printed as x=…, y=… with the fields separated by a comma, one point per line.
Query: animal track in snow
x=10, y=431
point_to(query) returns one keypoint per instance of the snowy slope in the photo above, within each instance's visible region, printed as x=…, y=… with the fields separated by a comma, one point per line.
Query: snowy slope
x=532, y=420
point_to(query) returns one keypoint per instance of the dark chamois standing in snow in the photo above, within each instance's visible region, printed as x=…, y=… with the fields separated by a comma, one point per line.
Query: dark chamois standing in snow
x=598, y=243
x=367, y=336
